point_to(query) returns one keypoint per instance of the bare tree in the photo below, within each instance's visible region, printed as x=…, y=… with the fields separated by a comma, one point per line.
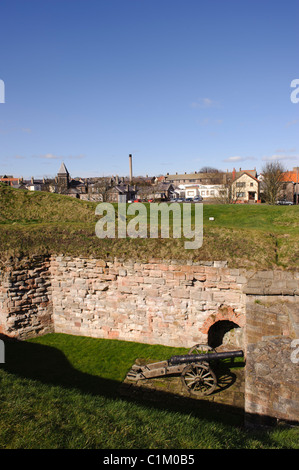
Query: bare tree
x=272, y=181
x=208, y=169
x=227, y=194
x=101, y=187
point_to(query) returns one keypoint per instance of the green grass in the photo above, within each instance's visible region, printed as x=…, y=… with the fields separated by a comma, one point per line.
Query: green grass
x=62, y=392
x=249, y=236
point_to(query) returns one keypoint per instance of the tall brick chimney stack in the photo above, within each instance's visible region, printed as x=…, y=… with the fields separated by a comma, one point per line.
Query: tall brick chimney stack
x=131, y=171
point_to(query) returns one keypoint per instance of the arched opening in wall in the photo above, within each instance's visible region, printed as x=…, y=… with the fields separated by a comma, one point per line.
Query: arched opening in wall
x=224, y=332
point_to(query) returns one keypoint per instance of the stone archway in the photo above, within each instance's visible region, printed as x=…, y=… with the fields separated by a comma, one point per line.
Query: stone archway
x=218, y=325
x=224, y=332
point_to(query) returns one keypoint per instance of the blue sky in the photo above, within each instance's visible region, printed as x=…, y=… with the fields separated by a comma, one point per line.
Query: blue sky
x=179, y=84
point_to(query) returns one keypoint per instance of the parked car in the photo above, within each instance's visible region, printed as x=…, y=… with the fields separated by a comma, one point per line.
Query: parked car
x=189, y=199
x=284, y=203
x=180, y=199
x=197, y=199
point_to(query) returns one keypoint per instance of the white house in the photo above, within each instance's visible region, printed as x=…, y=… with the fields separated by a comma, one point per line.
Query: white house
x=207, y=191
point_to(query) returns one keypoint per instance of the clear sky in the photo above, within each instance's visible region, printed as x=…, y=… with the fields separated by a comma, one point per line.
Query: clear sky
x=179, y=84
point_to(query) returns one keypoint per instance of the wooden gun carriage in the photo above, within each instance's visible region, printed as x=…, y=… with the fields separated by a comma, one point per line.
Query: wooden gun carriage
x=196, y=374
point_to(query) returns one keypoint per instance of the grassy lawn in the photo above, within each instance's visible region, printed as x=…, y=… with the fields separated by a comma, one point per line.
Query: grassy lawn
x=249, y=236
x=60, y=391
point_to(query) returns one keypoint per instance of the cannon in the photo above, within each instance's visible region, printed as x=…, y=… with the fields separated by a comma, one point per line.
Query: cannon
x=196, y=373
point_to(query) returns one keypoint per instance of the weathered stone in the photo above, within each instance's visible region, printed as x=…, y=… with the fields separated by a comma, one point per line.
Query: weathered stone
x=164, y=302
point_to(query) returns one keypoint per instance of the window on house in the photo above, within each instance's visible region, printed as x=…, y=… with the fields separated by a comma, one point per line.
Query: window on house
x=240, y=184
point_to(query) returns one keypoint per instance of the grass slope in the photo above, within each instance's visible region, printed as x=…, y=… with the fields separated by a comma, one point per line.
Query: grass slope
x=250, y=236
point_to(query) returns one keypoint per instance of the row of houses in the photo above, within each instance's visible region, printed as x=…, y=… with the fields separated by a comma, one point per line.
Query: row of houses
x=236, y=186
x=243, y=186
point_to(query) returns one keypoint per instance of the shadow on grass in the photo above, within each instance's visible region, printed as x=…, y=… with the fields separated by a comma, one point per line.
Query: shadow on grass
x=48, y=365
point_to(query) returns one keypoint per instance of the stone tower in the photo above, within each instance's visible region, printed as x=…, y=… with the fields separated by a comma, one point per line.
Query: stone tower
x=63, y=177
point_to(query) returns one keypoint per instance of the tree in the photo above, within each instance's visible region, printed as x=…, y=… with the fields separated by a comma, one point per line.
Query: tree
x=227, y=193
x=272, y=181
x=208, y=169
x=101, y=187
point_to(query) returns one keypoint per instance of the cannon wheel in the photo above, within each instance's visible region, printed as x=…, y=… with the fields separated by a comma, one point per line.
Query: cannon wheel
x=201, y=349
x=199, y=379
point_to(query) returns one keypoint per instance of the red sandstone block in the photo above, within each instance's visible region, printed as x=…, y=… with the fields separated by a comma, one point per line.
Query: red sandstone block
x=167, y=275
x=223, y=286
x=179, y=275
x=151, y=292
x=173, y=267
x=107, y=277
x=155, y=273
x=172, y=283
x=113, y=334
x=151, y=266
x=187, y=269
x=198, y=269
x=181, y=294
x=163, y=267
x=137, y=279
x=211, y=270
x=210, y=285
x=124, y=281
x=145, y=272
x=200, y=277
x=212, y=277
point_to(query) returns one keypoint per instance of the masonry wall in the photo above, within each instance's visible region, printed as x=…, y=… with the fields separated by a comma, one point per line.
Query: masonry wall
x=272, y=367
x=159, y=303
x=25, y=298
x=170, y=303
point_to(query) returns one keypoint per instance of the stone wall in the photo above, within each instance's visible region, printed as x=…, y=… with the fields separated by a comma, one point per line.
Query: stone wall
x=272, y=325
x=170, y=303
x=25, y=298
x=166, y=303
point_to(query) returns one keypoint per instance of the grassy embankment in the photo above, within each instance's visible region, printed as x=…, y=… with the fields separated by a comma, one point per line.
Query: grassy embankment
x=250, y=236
x=62, y=392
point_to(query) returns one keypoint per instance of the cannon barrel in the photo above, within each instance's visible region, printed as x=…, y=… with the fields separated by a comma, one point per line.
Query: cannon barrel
x=188, y=358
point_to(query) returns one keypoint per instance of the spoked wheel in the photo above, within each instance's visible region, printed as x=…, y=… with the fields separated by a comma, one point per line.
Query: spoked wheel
x=199, y=379
x=201, y=349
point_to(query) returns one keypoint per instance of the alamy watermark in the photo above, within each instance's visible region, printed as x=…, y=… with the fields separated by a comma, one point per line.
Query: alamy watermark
x=295, y=353
x=151, y=222
x=2, y=91
x=295, y=93
x=2, y=352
